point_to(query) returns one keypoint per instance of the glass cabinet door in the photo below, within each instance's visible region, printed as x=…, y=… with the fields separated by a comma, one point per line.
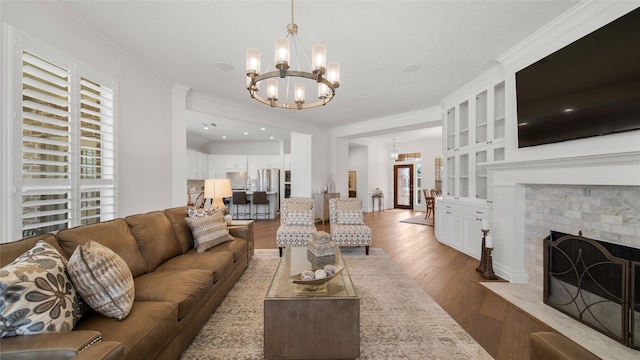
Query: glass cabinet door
x=451, y=128
x=463, y=125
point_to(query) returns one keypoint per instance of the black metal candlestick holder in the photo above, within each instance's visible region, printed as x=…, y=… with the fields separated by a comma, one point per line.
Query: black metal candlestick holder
x=488, y=269
x=483, y=259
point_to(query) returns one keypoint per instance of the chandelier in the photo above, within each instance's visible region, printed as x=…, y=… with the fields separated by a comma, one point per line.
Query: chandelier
x=394, y=153
x=327, y=76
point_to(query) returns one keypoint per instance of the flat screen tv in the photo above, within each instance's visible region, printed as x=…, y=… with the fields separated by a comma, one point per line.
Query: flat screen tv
x=589, y=88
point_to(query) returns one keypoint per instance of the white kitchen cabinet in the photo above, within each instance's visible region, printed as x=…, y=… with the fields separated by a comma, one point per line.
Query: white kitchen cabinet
x=287, y=161
x=197, y=165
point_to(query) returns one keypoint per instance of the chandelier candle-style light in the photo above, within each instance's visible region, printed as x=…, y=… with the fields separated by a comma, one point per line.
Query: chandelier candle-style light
x=327, y=76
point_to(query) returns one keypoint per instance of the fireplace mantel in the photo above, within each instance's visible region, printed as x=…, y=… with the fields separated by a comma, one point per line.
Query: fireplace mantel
x=620, y=168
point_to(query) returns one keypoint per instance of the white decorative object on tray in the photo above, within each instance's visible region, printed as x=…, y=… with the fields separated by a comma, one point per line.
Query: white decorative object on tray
x=297, y=279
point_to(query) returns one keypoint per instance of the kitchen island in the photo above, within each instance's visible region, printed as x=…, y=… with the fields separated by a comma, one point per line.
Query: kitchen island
x=274, y=206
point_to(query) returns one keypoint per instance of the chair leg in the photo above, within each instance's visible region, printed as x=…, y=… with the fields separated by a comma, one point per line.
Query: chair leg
x=280, y=249
x=366, y=250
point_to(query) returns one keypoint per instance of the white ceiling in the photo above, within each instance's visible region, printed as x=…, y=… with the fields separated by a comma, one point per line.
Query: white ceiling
x=192, y=42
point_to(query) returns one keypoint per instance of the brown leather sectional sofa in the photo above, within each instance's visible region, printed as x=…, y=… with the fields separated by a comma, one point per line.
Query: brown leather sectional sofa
x=176, y=288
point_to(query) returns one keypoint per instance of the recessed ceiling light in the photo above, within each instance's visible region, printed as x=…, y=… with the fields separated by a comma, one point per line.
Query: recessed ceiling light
x=411, y=68
x=263, y=129
x=224, y=66
x=568, y=110
x=246, y=133
x=271, y=137
x=224, y=136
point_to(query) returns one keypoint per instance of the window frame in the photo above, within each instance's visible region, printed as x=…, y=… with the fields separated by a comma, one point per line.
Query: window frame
x=13, y=184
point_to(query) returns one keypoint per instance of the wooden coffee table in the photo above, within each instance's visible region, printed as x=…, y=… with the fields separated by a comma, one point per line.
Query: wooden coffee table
x=303, y=324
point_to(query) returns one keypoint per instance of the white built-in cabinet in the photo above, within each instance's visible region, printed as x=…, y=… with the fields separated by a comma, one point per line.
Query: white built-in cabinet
x=474, y=129
x=197, y=165
x=255, y=162
x=459, y=225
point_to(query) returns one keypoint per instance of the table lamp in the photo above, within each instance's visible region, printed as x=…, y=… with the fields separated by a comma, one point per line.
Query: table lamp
x=217, y=189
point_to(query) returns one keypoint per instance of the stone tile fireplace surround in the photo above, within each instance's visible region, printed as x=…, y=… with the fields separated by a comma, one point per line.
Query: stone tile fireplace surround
x=599, y=195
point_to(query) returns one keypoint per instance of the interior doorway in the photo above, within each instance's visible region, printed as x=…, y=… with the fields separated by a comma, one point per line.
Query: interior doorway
x=403, y=186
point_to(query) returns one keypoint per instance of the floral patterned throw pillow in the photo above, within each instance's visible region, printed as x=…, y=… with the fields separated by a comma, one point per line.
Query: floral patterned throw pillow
x=36, y=295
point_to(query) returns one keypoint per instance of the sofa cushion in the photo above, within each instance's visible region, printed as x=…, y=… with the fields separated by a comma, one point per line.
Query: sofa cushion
x=208, y=231
x=36, y=294
x=180, y=228
x=114, y=234
x=103, y=279
x=184, y=287
x=299, y=218
x=218, y=263
x=156, y=240
x=149, y=325
x=10, y=251
x=237, y=246
x=350, y=217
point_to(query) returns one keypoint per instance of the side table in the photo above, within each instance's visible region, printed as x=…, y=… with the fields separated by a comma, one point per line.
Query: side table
x=380, y=198
x=249, y=225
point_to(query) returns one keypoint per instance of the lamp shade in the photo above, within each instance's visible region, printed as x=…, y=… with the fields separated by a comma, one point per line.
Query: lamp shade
x=319, y=57
x=298, y=93
x=217, y=188
x=282, y=51
x=253, y=61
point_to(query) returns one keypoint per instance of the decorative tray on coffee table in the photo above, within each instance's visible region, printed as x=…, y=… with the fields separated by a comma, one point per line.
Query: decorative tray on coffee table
x=296, y=278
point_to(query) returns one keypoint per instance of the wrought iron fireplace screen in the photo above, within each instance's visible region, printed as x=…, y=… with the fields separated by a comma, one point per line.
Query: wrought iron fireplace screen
x=595, y=282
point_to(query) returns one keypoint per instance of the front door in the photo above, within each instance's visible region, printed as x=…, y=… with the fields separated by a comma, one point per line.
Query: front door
x=403, y=186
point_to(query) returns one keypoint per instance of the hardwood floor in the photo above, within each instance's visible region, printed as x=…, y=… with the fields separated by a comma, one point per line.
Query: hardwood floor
x=447, y=275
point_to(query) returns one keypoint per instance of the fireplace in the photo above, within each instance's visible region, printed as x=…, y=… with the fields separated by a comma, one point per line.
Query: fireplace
x=595, y=282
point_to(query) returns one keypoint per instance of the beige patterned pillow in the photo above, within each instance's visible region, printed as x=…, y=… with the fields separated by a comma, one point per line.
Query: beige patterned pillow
x=208, y=231
x=299, y=205
x=103, y=279
x=350, y=217
x=349, y=204
x=36, y=295
x=299, y=218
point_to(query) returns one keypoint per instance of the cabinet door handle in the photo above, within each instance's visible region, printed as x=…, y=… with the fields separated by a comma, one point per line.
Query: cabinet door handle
x=479, y=212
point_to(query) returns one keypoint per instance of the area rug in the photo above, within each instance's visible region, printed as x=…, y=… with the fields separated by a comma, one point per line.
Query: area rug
x=398, y=320
x=419, y=220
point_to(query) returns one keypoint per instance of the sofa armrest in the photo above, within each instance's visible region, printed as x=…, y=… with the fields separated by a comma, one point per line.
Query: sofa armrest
x=239, y=231
x=105, y=350
x=49, y=346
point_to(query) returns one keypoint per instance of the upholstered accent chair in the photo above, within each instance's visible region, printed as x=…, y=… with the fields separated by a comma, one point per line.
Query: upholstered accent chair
x=346, y=223
x=296, y=222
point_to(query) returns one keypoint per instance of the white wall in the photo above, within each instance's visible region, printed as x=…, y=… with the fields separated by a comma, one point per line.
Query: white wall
x=144, y=102
x=244, y=148
x=301, y=160
x=359, y=162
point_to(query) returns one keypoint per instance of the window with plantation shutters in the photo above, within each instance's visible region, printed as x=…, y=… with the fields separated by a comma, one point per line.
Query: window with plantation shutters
x=67, y=143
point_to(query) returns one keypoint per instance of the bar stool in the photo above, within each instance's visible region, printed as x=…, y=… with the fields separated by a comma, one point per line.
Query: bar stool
x=260, y=198
x=240, y=198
